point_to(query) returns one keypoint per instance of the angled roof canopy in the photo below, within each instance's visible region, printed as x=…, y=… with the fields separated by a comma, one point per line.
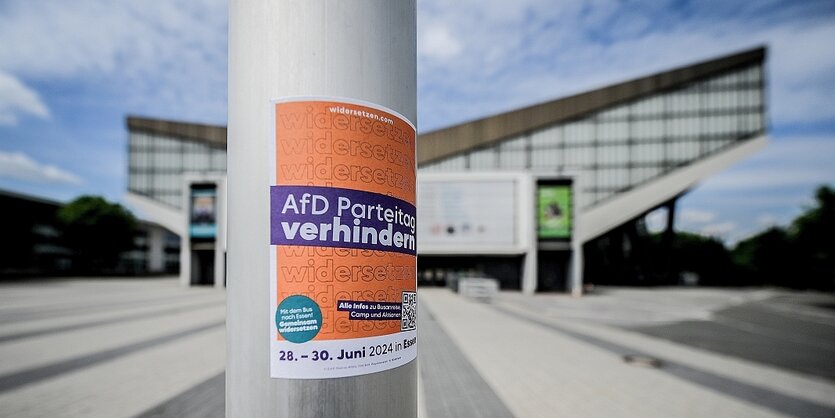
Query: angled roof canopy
x=209, y=134
x=482, y=132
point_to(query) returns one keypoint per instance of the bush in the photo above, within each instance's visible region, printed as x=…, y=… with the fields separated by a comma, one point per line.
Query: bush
x=97, y=232
x=802, y=256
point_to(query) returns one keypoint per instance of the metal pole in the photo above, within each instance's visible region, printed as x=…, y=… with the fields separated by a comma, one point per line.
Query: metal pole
x=363, y=50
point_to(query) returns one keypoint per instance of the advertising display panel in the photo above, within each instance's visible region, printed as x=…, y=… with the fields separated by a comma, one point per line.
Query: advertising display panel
x=343, y=239
x=470, y=214
x=203, y=212
x=553, y=211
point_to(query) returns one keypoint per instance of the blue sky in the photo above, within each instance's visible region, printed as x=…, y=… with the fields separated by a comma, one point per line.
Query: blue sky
x=71, y=71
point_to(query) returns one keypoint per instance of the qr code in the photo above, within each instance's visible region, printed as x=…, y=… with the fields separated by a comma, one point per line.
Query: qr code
x=408, y=312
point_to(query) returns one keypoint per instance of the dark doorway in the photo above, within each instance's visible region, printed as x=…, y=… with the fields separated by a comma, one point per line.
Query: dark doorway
x=553, y=271
x=203, y=267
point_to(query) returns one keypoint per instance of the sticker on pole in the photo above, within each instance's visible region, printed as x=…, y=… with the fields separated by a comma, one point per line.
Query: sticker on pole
x=343, y=245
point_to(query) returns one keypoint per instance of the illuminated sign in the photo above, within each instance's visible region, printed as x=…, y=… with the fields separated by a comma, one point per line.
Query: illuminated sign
x=203, y=214
x=554, y=211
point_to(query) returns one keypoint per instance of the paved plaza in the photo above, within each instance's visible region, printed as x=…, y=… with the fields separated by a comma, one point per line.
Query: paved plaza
x=147, y=347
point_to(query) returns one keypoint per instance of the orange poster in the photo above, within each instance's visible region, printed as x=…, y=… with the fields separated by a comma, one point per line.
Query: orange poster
x=343, y=239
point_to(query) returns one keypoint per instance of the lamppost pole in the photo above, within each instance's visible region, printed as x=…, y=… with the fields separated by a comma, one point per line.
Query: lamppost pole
x=363, y=52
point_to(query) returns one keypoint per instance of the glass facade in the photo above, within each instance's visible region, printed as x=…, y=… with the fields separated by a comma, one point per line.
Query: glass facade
x=630, y=143
x=156, y=164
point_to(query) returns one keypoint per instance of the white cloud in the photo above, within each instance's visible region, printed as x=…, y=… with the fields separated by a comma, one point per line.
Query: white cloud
x=769, y=188
x=16, y=99
x=656, y=220
x=687, y=219
x=537, y=50
x=803, y=72
x=167, y=58
x=697, y=216
x=437, y=42
x=764, y=178
x=767, y=220
x=19, y=166
x=695, y=221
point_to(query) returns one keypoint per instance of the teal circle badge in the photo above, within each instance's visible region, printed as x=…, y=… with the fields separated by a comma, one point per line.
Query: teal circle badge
x=298, y=319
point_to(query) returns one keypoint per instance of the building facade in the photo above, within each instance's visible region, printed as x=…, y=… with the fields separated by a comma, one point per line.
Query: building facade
x=625, y=149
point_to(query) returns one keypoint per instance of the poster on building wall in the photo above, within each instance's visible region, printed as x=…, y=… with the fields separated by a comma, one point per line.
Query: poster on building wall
x=467, y=214
x=343, y=239
x=203, y=213
x=553, y=203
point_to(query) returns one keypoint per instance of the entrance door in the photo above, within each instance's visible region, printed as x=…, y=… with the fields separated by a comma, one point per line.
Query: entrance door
x=203, y=267
x=553, y=271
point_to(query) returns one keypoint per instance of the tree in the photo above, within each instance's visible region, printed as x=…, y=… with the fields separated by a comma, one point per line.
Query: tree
x=705, y=256
x=767, y=258
x=801, y=256
x=812, y=235
x=97, y=232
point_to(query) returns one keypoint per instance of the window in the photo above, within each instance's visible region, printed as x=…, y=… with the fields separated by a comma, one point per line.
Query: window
x=642, y=174
x=648, y=153
x=195, y=157
x=616, y=113
x=719, y=125
x=612, y=132
x=483, y=159
x=684, y=151
x=683, y=102
x=517, y=143
x=581, y=132
x=161, y=143
x=613, y=154
x=513, y=154
x=546, y=158
x=512, y=159
x=613, y=178
x=579, y=156
x=684, y=126
x=648, y=129
x=651, y=106
x=218, y=160
x=546, y=138
x=459, y=162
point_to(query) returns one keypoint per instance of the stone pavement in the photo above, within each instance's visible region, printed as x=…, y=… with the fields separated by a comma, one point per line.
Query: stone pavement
x=787, y=329
x=106, y=347
x=146, y=347
x=540, y=365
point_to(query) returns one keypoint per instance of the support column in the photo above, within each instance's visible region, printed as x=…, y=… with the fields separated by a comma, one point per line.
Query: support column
x=530, y=266
x=576, y=269
x=156, y=249
x=668, y=238
x=363, y=50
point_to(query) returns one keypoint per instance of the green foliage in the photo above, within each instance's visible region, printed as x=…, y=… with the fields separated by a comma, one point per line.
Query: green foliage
x=762, y=258
x=705, y=256
x=97, y=232
x=802, y=256
x=811, y=234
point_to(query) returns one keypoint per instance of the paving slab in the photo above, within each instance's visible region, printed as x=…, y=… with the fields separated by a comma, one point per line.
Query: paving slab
x=105, y=348
x=133, y=347
x=539, y=371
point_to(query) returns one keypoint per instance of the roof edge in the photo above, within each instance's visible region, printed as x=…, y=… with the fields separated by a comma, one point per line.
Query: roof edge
x=449, y=141
x=214, y=135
